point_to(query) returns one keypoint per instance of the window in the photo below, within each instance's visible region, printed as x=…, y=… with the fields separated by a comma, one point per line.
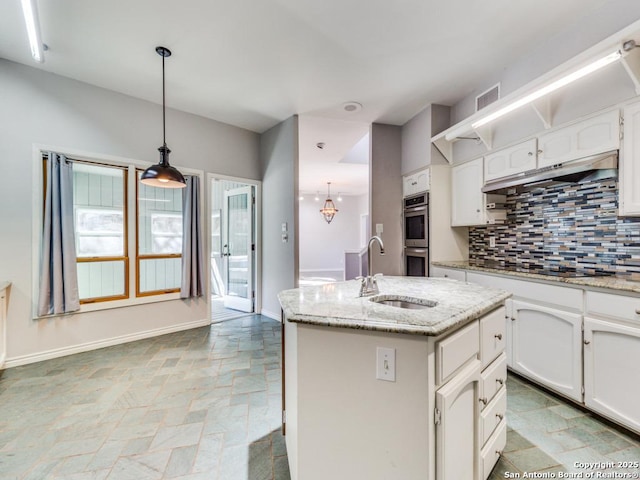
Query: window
x=159, y=246
x=99, y=199
x=103, y=239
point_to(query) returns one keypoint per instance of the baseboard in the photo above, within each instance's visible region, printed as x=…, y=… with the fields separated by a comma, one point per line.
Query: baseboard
x=273, y=316
x=85, y=347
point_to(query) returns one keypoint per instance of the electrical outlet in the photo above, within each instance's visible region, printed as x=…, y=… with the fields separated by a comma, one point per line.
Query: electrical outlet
x=492, y=242
x=386, y=364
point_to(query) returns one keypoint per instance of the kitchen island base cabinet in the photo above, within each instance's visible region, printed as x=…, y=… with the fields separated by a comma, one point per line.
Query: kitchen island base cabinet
x=343, y=423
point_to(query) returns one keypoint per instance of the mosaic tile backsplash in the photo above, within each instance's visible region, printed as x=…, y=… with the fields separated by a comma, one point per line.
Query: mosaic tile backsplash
x=572, y=226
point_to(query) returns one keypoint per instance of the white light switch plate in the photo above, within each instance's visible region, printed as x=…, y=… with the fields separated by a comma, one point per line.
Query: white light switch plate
x=386, y=364
x=379, y=228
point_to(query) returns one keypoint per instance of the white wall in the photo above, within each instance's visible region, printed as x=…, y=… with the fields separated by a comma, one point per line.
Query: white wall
x=43, y=108
x=322, y=244
x=279, y=166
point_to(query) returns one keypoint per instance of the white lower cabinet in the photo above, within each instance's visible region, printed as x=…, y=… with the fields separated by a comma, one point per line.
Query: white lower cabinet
x=547, y=345
x=612, y=370
x=449, y=273
x=457, y=428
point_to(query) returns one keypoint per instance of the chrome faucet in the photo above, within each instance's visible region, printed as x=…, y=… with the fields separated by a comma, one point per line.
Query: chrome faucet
x=369, y=284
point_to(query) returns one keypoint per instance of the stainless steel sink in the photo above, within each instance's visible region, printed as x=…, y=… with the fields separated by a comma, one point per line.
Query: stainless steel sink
x=400, y=301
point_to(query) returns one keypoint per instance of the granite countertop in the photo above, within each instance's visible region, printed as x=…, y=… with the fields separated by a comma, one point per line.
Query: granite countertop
x=611, y=282
x=338, y=305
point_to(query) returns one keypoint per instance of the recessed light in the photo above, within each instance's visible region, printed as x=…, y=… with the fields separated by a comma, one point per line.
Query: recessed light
x=352, y=107
x=320, y=145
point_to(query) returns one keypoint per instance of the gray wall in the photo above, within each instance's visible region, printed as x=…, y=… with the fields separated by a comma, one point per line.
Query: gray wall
x=42, y=108
x=417, y=149
x=386, y=196
x=279, y=166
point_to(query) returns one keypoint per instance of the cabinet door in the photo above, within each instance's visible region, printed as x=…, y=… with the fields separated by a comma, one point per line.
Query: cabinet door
x=612, y=370
x=458, y=431
x=409, y=183
x=589, y=137
x=547, y=347
x=630, y=162
x=467, y=200
x=422, y=181
x=508, y=329
x=449, y=273
x=512, y=160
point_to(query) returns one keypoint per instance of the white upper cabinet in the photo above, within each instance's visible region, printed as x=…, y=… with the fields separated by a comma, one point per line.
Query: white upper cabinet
x=416, y=183
x=630, y=162
x=589, y=137
x=509, y=161
x=467, y=197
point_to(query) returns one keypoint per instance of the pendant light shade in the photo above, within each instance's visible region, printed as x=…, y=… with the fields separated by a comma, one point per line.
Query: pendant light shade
x=163, y=175
x=329, y=210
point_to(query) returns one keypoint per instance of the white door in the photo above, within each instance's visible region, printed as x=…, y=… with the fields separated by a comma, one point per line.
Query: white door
x=547, y=347
x=612, y=370
x=516, y=159
x=468, y=201
x=238, y=248
x=458, y=430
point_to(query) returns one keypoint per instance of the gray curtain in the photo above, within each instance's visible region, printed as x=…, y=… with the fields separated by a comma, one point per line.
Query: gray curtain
x=58, y=271
x=192, y=251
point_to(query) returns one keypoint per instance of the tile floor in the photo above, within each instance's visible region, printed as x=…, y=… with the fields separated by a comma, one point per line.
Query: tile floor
x=205, y=404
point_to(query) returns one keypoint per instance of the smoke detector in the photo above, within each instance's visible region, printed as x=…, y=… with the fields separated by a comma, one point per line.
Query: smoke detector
x=351, y=107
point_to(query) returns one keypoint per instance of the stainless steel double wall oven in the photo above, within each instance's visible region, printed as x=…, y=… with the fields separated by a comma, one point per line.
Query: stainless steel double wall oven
x=416, y=235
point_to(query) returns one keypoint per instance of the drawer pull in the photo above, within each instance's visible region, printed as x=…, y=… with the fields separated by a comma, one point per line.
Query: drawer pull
x=500, y=416
x=587, y=342
x=500, y=381
x=483, y=400
x=637, y=311
x=498, y=336
x=513, y=319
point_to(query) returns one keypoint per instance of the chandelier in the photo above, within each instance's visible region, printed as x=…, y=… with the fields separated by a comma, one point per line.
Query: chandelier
x=329, y=210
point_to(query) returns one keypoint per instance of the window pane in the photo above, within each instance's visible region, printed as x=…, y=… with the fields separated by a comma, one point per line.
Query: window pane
x=98, y=199
x=160, y=274
x=159, y=220
x=101, y=279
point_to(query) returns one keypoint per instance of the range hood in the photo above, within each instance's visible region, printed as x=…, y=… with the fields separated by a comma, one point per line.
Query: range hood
x=593, y=168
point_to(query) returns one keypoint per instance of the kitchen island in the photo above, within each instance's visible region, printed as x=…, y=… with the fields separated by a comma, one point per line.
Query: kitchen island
x=376, y=391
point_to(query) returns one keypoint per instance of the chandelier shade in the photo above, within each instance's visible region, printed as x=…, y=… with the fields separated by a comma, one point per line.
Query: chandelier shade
x=329, y=209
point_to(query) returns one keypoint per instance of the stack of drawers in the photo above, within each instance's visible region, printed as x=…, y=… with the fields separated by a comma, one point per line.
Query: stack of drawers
x=493, y=392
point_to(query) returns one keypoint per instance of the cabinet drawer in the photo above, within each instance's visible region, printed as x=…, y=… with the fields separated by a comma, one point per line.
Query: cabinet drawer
x=491, y=452
x=493, y=415
x=492, y=336
x=494, y=378
x=613, y=306
x=449, y=273
x=456, y=350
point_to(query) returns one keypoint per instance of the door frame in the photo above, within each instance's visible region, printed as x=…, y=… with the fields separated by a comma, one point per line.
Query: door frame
x=258, y=233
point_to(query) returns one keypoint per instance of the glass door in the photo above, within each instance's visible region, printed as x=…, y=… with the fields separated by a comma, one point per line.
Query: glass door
x=238, y=248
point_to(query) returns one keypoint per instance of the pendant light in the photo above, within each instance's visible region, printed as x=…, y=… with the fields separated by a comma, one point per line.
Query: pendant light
x=163, y=175
x=329, y=210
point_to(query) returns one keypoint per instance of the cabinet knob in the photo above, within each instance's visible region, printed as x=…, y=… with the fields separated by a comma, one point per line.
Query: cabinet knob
x=539, y=152
x=500, y=416
x=446, y=276
x=478, y=210
x=637, y=311
x=498, y=336
x=500, y=381
x=483, y=400
x=513, y=319
x=587, y=342
x=530, y=154
x=498, y=452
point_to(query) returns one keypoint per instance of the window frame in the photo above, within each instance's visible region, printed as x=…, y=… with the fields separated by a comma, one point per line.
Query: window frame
x=38, y=187
x=149, y=256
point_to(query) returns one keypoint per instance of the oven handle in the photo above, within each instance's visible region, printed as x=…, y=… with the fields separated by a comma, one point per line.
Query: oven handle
x=415, y=250
x=419, y=208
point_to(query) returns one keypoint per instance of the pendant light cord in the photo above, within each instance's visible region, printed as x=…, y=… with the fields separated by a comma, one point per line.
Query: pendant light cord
x=164, y=124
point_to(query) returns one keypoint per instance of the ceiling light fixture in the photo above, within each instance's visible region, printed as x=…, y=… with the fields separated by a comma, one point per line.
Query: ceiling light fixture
x=329, y=210
x=163, y=175
x=541, y=92
x=30, y=12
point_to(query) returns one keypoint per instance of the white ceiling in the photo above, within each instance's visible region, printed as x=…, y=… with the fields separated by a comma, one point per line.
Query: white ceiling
x=254, y=63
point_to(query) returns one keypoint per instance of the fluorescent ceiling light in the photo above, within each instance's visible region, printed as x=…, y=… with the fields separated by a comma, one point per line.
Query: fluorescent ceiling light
x=30, y=11
x=572, y=77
